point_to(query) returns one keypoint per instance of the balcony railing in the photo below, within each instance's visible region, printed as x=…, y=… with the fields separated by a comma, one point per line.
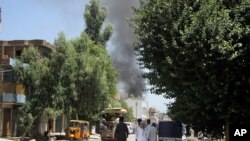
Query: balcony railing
x=13, y=98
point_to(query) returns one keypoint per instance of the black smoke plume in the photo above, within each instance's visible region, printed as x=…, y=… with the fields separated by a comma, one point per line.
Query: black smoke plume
x=122, y=51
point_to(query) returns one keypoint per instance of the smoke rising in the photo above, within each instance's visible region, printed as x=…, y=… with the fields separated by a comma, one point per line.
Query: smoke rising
x=122, y=51
x=122, y=40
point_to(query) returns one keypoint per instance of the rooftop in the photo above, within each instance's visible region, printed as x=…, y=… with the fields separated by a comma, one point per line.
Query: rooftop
x=35, y=42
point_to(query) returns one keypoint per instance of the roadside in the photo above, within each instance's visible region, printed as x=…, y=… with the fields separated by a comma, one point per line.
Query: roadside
x=8, y=139
x=92, y=137
x=95, y=136
x=2, y=139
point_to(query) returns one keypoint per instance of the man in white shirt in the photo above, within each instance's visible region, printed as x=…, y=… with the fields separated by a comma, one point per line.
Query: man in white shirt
x=148, y=127
x=152, y=134
x=141, y=132
x=137, y=128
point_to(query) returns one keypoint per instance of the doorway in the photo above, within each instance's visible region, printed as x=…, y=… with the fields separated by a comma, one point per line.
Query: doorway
x=6, y=122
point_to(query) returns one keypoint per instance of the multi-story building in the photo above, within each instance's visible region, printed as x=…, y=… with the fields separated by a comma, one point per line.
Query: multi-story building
x=139, y=107
x=11, y=93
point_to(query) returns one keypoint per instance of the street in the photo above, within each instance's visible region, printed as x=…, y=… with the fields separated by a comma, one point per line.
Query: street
x=131, y=137
x=96, y=137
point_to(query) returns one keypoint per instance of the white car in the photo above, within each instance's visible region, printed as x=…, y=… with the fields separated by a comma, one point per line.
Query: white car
x=130, y=127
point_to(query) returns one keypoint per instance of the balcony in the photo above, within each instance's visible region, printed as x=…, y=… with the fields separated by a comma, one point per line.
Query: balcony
x=13, y=98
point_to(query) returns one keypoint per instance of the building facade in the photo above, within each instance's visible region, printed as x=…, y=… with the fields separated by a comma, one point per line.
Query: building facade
x=153, y=115
x=139, y=107
x=11, y=92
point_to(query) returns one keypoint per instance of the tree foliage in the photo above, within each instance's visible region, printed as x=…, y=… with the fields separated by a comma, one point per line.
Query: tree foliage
x=94, y=17
x=30, y=71
x=96, y=78
x=122, y=104
x=78, y=78
x=197, y=52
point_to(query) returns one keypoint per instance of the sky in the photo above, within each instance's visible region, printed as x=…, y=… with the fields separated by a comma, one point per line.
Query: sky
x=44, y=19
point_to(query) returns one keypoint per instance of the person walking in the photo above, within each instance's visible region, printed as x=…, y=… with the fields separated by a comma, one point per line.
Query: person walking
x=121, y=130
x=137, y=128
x=142, y=132
x=148, y=126
x=152, y=134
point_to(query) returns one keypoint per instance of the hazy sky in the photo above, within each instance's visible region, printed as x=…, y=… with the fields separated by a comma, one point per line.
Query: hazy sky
x=44, y=19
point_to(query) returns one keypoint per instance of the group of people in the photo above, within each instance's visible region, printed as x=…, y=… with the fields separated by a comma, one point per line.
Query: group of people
x=145, y=131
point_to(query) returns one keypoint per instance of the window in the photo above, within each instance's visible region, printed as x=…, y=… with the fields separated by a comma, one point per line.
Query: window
x=18, y=53
x=8, y=77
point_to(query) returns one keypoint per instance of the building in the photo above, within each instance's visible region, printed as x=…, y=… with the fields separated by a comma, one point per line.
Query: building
x=139, y=107
x=153, y=115
x=12, y=93
x=164, y=116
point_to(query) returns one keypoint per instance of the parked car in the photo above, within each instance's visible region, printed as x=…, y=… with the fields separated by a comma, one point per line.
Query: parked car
x=130, y=127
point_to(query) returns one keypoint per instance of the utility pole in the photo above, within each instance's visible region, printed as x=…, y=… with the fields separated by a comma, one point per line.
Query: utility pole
x=136, y=108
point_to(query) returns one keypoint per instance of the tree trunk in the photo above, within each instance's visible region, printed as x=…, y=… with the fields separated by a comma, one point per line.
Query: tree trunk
x=29, y=127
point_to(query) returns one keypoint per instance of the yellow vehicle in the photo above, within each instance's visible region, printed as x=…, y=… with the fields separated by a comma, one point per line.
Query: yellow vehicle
x=109, y=122
x=78, y=129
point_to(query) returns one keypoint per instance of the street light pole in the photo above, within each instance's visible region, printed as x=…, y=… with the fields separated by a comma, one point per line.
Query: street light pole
x=136, y=109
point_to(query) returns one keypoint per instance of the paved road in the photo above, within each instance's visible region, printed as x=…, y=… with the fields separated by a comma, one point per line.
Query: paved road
x=96, y=137
x=131, y=137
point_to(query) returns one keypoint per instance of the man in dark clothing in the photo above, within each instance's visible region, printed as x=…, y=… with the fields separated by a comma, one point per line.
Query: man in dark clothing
x=121, y=130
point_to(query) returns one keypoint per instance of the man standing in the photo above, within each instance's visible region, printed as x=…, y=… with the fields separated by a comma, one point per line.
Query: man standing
x=137, y=128
x=142, y=133
x=152, y=135
x=148, y=127
x=121, y=130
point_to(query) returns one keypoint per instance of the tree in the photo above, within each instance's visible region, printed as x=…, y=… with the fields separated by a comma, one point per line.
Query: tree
x=94, y=17
x=198, y=53
x=100, y=75
x=77, y=79
x=62, y=75
x=122, y=104
x=96, y=78
x=30, y=71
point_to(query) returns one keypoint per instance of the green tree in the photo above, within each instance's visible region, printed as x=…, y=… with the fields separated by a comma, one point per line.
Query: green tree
x=31, y=70
x=77, y=79
x=122, y=104
x=129, y=116
x=94, y=17
x=198, y=53
x=96, y=78
x=99, y=74
x=62, y=75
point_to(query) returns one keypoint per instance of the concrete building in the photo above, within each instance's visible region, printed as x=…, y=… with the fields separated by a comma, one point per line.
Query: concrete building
x=11, y=92
x=139, y=107
x=153, y=115
x=164, y=116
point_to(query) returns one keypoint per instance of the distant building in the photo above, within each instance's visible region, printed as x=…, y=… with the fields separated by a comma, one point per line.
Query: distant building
x=153, y=115
x=164, y=116
x=139, y=107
